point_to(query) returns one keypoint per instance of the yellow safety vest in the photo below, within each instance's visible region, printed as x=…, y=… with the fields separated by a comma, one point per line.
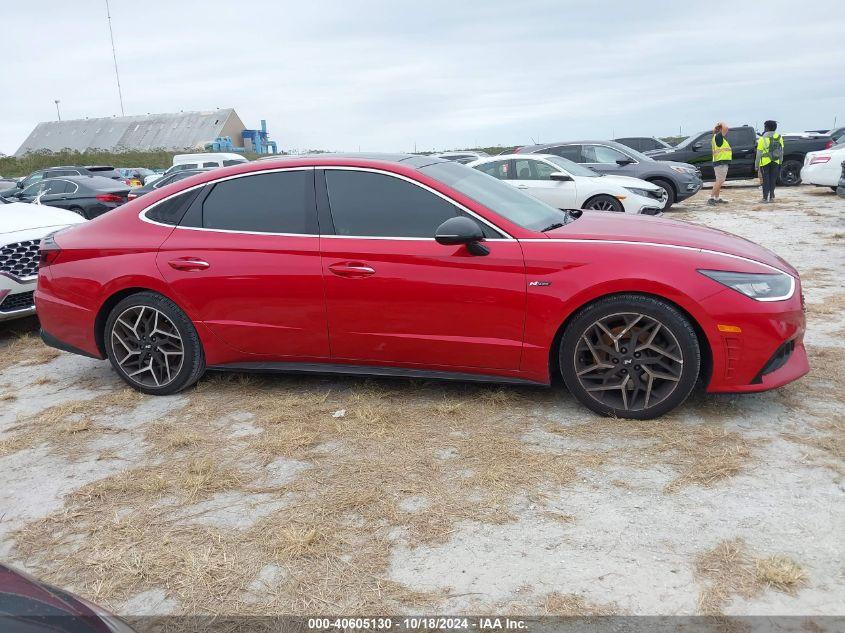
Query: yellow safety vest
x=764, y=145
x=722, y=153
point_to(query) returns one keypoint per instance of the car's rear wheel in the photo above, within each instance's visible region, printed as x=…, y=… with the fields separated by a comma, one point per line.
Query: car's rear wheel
x=630, y=356
x=668, y=188
x=604, y=203
x=153, y=345
x=78, y=211
x=790, y=173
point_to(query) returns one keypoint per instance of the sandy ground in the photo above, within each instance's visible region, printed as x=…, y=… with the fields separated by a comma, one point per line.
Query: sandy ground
x=303, y=495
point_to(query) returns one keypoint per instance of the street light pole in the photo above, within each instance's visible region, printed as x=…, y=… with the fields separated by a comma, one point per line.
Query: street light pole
x=58, y=113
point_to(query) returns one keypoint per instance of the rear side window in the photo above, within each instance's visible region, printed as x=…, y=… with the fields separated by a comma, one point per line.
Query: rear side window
x=278, y=202
x=742, y=136
x=229, y=163
x=571, y=152
x=366, y=204
x=212, y=164
x=497, y=169
x=171, y=210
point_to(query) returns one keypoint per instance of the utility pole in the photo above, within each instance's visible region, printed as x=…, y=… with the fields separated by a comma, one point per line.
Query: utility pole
x=59, y=114
x=114, y=56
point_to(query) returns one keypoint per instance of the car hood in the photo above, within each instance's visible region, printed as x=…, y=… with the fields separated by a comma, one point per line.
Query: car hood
x=20, y=216
x=598, y=225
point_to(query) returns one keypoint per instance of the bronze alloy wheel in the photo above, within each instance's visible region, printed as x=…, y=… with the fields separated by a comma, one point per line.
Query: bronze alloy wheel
x=628, y=361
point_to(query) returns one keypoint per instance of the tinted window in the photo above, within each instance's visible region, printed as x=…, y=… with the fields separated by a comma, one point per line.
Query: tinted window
x=601, y=154
x=212, y=164
x=266, y=203
x=497, y=169
x=171, y=210
x=47, y=187
x=377, y=205
x=527, y=169
x=570, y=152
x=229, y=163
x=742, y=136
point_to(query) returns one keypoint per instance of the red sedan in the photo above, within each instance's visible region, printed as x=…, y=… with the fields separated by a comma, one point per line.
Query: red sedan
x=414, y=266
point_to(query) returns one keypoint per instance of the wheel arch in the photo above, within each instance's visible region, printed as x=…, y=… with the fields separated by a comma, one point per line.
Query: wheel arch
x=706, y=369
x=109, y=304
x=667, y=179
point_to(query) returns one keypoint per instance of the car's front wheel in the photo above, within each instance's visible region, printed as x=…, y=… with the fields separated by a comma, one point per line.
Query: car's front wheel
x=153, y=345
x=630, y=356
x=604, y=203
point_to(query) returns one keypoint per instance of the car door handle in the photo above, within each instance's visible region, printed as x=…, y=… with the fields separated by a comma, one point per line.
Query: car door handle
x=522, y=186
x=351, y=269
x=189, y=263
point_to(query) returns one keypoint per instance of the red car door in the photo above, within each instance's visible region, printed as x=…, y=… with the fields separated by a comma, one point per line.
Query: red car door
x=245, y=261
x=395, y=296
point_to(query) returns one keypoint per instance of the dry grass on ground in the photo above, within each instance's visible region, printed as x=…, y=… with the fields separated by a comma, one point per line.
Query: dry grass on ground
x=729, y=570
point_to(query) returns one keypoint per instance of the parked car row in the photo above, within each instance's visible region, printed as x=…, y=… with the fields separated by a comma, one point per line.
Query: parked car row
x=696, y=150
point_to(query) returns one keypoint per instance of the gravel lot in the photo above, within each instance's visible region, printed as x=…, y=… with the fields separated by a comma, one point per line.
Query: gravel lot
x=301, y=495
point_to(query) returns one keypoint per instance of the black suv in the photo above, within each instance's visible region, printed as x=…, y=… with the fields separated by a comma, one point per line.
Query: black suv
x=696, y=150
x=60, y=172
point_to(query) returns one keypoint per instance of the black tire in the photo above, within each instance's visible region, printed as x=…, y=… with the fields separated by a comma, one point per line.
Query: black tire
x=669, y=188
x=668, y=394
x=78, y=211
x=603, y=202
x=790, y=173
x=192, y=364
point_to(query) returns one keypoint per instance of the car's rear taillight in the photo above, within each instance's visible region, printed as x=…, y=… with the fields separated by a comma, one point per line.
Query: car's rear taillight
x=110, y=197
x=49, y=251
x=819, y=159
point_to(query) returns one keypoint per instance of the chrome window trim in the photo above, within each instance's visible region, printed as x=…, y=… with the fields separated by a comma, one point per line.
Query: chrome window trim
x=507, y=237
x=142, y=215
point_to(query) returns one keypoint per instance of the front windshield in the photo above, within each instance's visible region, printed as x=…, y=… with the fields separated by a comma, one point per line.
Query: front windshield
x=572, y=168
x=500, y=198
x=634, y=154
x=688, y=140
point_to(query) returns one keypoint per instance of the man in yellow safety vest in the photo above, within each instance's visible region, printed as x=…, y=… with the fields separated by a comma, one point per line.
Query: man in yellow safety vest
x=769, y=158
x=722, y=156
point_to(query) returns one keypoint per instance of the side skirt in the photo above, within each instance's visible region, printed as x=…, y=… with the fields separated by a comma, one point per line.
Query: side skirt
x=370, y=370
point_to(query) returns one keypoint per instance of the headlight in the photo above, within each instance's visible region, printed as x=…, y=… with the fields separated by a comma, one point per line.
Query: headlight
x=645, y=193
x=759, y=286
x=682, y=170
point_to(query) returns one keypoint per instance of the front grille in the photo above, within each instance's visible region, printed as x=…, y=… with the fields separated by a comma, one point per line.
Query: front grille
x=20, y=259
x=19, y=301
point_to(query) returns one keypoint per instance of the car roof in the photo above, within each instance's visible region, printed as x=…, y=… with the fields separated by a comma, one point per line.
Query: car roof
x=411, y=160
x=94, y=182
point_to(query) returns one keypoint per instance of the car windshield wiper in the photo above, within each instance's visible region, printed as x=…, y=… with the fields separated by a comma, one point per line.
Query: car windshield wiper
x=552, y=227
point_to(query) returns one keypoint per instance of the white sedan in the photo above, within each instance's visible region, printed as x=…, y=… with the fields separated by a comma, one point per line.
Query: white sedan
x=22, y=227
x=824, y=167
x=566, y=185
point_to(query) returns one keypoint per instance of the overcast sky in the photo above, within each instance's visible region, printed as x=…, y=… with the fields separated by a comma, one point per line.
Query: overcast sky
x=395, y=75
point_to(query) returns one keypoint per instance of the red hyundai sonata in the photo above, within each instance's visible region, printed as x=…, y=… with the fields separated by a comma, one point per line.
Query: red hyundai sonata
x=414, y=266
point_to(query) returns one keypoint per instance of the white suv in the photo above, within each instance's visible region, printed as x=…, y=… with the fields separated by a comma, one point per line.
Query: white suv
x=22, y=227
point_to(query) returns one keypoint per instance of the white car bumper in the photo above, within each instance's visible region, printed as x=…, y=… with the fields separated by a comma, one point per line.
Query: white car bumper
x=646, y=206
x=19, y=271
x=823, y=174
x=16, y=298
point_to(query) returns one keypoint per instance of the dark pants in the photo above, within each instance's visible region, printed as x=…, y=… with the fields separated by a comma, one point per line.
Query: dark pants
x=770, y=179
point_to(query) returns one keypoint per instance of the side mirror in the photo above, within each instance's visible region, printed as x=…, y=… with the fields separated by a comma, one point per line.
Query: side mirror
x=19, y=183
x=462, y=230
x=624, y=161
x=697, y=146
x=560, y=176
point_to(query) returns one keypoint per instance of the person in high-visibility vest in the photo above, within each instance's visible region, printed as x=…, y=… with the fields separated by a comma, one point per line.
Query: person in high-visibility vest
x=769, y=159
x=722, y=156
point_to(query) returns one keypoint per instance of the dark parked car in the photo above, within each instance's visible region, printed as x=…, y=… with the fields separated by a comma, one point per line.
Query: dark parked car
x=643, y=143
x=743, y=139
x=679, y=180
x=60, y=172
x=89, y=196
x=30, y=606
x=164, y=181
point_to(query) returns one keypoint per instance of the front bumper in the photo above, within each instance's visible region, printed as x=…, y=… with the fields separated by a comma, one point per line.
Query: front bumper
x=688, y=188
x=16, y=298
x=768, y=351
x=822, y=174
